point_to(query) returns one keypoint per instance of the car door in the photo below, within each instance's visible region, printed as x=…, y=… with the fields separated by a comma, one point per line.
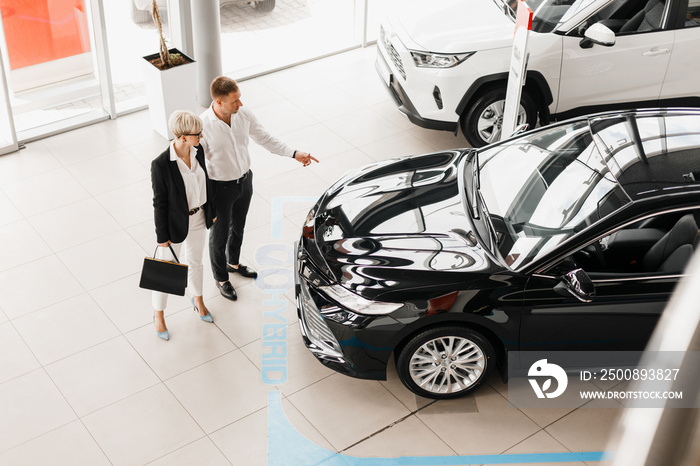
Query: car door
x=620, y=317
x=684, y=66
x=631, y=70
x=631, y=291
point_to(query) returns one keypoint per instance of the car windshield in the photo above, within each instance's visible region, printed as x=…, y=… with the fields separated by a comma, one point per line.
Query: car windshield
x=546, y=14
x=540, y=190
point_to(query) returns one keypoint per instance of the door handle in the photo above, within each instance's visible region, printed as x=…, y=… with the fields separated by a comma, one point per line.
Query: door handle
x=655, y=52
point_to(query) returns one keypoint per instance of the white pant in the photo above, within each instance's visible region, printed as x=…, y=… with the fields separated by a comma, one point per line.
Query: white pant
x=193, y=252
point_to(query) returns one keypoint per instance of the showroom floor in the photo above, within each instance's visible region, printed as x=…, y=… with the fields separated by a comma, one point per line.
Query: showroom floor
x=85, y=381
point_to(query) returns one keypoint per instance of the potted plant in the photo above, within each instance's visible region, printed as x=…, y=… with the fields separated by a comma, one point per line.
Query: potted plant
x=169, y=79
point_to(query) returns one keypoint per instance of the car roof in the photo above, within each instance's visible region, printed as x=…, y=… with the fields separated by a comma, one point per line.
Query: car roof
x=651, y=153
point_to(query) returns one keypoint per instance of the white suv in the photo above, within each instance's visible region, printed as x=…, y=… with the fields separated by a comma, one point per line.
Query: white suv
x=447, y=62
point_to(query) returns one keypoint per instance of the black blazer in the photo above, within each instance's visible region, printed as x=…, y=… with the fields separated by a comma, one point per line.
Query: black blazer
x=171, y=212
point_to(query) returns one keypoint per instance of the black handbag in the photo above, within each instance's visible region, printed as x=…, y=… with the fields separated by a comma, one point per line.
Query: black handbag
x=165, y=276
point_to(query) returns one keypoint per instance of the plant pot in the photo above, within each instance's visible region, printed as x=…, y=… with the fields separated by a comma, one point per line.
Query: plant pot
x=169, y=90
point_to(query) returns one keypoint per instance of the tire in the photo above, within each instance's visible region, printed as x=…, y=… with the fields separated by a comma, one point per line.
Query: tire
x=265, y=6
x=426, y=366
x=481, y=124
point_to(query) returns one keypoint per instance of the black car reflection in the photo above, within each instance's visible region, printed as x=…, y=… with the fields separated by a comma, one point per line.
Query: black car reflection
x=569, y=237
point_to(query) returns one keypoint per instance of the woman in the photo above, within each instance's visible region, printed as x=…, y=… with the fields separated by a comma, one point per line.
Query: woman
x=182, y=200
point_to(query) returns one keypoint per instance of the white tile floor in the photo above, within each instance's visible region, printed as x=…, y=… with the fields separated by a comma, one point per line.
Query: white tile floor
x=85, y=381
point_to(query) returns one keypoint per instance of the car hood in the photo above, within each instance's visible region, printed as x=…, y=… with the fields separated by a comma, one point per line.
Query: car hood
x=398, y=227
x=452, y=26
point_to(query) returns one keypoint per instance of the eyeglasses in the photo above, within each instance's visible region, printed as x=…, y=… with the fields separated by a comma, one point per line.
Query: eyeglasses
x=199, y=135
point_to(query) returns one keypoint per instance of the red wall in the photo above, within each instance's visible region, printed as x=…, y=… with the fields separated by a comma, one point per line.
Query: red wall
x=39, y=31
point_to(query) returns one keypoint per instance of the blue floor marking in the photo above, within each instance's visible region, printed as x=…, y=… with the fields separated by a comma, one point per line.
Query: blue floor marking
x=287, y=447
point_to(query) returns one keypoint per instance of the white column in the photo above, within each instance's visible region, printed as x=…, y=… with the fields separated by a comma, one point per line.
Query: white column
x=206, y=28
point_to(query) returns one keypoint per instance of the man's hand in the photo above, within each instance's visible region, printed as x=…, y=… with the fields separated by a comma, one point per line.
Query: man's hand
x=304, y=157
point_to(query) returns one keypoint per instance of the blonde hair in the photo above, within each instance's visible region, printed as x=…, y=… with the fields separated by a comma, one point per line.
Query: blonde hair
x=222, y=86
x=184, y=122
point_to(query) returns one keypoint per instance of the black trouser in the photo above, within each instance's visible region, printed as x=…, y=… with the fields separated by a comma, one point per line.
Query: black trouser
x=232, y=200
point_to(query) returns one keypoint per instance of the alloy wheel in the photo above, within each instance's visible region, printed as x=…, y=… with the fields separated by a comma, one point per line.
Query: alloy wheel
x=490, y=122
x=447, y=365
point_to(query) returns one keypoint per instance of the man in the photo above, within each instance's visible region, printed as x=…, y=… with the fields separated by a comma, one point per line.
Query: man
x=228, y=127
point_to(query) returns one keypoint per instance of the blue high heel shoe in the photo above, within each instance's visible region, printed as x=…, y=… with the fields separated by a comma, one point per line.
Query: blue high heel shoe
x=164, y=335
x=206, y=318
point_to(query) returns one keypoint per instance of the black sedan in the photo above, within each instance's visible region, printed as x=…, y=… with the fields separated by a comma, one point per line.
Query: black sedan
x=568, y=237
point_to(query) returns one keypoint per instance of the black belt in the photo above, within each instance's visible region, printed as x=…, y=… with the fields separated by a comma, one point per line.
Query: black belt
x=237, y=181
x=242, y=178
x=195, y=210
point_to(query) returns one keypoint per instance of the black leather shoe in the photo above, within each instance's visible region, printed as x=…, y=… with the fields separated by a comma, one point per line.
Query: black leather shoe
x=227, y=291
x=243, y=270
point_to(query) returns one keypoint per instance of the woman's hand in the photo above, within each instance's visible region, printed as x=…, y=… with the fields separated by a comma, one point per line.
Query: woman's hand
x=165, y=245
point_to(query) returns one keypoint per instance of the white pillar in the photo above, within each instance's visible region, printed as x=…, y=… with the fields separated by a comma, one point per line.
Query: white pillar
x=206, y=29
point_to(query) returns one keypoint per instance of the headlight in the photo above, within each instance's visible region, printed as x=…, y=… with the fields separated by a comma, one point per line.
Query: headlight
x=439, y=60
x=308, y=230
x=357, y=303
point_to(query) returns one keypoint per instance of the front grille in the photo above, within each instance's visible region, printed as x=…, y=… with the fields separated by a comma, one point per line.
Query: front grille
x=317, y=326
x=393, y=54
x=397, y=61
x=312, y=323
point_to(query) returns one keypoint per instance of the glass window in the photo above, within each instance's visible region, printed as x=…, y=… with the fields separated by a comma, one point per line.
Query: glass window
x=40, y=32
x=375, y=9
x=692, y=16
x=50, y=64
x=56, y=78
x=625, y=250
x=8, y=139
x=543, y=189
x=254, y=41
x=578, y=6
x=256, y=36
x=548, y=13
x=648, y=153
x=131, y=35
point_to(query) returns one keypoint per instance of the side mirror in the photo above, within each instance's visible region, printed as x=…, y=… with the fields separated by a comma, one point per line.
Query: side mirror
x=576, y=283
x=597, y=34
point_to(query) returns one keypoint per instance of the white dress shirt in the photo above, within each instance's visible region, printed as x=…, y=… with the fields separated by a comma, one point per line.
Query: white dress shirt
x=193, y=176
x=226, y=147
